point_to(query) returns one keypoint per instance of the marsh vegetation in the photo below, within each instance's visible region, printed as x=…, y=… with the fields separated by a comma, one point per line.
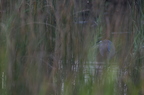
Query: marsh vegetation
x=50, y=47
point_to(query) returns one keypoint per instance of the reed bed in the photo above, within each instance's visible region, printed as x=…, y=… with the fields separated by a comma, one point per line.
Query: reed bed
x=50, y=47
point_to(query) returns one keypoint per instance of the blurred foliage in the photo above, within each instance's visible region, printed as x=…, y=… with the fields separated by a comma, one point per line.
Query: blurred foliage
x=50, y=47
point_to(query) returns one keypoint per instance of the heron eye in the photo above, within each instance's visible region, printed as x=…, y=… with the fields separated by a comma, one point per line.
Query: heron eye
x=100, y=41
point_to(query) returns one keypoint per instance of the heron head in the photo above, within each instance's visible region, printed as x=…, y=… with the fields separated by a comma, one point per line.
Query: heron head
x=106, y=49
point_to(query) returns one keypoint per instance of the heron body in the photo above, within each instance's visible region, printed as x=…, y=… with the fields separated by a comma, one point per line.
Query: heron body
x=106, y=49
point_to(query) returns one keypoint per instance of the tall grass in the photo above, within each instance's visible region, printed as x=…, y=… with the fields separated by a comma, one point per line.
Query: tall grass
x=44, y=51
